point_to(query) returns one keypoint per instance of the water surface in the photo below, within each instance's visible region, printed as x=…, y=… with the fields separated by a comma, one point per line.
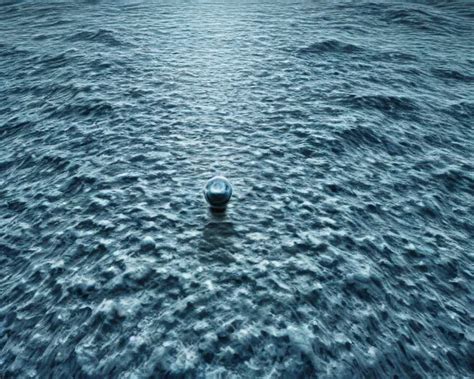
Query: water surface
x=346, y=129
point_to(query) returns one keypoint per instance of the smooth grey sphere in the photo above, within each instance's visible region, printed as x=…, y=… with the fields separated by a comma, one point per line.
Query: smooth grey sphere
x=218, y=192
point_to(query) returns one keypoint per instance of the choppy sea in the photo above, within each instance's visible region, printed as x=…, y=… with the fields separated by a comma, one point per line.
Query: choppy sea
x=347, y=131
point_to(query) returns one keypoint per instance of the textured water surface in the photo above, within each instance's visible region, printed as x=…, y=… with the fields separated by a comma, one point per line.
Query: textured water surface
x=346, y=129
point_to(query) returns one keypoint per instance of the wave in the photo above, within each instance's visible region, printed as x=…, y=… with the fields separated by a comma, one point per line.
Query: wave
x=460, y=7
x=12, y=51
x=452, y=74
x=47, y=62
x=92, y=108
x=418, y=19
x=362, y=136
x=102, y=36
x=331, y=46
x=14, y=126
x=383, y=103
x=462, y=111
x=455, y=180
x=395, y=56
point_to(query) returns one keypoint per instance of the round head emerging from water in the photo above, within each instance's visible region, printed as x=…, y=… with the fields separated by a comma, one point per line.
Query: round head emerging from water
x=217, y=192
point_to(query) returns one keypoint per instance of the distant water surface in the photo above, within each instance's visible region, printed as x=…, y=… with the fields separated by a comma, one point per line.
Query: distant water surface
x=346, y=128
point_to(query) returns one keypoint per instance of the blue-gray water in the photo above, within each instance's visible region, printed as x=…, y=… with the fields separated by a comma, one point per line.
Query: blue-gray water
x=346, y=129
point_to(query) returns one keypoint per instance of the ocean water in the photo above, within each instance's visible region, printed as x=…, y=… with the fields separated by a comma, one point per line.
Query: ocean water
x=346, y=129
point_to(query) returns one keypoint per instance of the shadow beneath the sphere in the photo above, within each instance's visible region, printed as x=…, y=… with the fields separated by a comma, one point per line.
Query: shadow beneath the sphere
x=217, y=235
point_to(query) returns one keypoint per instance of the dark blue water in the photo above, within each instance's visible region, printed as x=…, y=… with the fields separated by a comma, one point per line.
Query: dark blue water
x=346, y=129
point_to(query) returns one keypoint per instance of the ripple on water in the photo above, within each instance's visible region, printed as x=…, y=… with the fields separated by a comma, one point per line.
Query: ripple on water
x=346, y=132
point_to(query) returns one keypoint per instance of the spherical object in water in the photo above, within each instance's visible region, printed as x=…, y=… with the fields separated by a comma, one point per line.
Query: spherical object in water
x=218, y=192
